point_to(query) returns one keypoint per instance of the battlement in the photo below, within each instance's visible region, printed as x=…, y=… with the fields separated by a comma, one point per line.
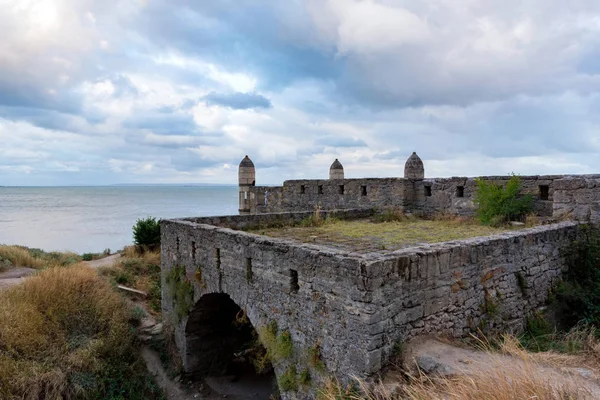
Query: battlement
x=559, y=196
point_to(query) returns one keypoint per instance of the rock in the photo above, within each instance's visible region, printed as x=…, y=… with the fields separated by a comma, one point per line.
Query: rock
x=156, y=330
x=517, y=223
x=432, y=366
x=586, y=373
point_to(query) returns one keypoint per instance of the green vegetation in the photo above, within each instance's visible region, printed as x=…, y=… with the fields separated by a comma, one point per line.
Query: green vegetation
x=139, y=271
x=182, y=290
x=95, y=256
x=65, y=334
x=314, y=357
x=364, y=235
x=389, y=215
x=499, y=204
x=146, y=232
x=279, y=345
x=304, y=378
x=288, y=381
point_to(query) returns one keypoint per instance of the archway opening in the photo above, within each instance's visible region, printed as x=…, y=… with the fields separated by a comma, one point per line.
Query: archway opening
x=223, y=348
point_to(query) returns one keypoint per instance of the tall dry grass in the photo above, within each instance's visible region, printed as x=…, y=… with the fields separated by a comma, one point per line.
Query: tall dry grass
x=139, y=270
x=542, y=375
x=19, y=256
x=65, y=334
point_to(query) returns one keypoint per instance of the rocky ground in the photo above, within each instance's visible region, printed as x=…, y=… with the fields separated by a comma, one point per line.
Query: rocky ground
x=438, y=358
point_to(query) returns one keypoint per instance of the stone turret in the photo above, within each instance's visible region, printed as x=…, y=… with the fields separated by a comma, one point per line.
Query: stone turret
x=246, y=180
x=414, y=169
x=336, y=171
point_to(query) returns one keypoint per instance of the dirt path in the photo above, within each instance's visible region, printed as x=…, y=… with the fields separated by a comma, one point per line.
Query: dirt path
x=14, y=276
x=434, y=357
x=103, y=262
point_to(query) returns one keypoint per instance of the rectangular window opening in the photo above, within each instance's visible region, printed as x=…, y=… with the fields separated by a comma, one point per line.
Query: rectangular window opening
x=544, y=192
x=363, y=190
x=460, y=191
x=302, y=189
x=341, y=189
x=320, y=189
x=178, y=242
x=427, y=191
x=193, y=250
x=294, y=286
x=249, y=270
x=218, y=258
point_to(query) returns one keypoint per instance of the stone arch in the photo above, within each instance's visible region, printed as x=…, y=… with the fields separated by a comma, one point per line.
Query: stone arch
x=216, y=330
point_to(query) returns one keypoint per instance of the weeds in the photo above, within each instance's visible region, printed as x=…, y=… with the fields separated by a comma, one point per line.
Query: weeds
x=139, y=271
x=19, y=256
x=287, y=380
x=65, y=334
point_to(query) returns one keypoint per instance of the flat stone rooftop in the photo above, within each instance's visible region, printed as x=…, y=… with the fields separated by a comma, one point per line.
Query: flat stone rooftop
x=365, y=235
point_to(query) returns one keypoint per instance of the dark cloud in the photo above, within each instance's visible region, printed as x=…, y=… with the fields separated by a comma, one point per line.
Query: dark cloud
x=238, y=101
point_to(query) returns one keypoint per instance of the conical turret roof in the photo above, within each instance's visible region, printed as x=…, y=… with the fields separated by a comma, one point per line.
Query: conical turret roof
x=336, y=165
x=246, y=163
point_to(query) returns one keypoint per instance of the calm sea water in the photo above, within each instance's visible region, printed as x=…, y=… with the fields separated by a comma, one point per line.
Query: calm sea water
x=90, y=219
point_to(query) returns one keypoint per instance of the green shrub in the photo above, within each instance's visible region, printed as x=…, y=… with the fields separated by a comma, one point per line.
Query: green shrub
x=498, y=203
x=146, y=232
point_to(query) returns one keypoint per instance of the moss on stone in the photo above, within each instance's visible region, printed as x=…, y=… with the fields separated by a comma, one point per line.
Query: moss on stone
x=182, y=291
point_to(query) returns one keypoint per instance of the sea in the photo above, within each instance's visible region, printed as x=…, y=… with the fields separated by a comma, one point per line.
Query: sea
x=92, y=219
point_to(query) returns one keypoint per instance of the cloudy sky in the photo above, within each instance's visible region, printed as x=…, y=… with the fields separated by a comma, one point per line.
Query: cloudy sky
x=173, y=91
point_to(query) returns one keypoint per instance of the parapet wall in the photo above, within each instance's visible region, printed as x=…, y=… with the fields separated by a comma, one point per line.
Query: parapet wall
x=577, y=196
x=453, y=288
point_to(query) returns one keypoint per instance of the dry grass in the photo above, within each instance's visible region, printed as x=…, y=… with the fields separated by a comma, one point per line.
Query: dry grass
x=140, y=271
x=19, y=256
x=365, y=235
x=64, y=334
x=543, y=375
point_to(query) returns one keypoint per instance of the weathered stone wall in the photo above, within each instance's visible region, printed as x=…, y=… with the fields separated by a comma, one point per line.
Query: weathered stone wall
x=326, y=309
x=356, y=306
x=455, y=287
x=445, y=195
x=578, y=198
x=303, y=195
x=428, y=196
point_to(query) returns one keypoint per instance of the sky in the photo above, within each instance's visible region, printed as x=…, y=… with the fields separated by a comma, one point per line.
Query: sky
x=172, y=91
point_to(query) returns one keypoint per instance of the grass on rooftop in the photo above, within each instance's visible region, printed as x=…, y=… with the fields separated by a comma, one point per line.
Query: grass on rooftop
x=366, y=235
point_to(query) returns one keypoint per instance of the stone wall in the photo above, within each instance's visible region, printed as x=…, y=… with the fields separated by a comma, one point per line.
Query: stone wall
x=325, y=310
x=455, y=195
x=577, y=198
x=354, y=307
x=303, y=195
x=453, y=288
x=427, y=197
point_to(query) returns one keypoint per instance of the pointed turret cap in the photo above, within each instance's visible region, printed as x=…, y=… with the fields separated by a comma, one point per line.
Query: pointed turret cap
x=246, y=163
x=336, y=165
x=414, y=168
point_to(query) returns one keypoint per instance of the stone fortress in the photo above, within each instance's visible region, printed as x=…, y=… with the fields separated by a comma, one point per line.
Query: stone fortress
x=349, y=308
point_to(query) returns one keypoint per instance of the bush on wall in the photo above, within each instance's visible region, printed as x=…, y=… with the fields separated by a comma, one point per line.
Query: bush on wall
x=497, y=204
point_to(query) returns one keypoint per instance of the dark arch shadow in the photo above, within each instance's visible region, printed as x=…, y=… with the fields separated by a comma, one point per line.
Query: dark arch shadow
x=221, y=342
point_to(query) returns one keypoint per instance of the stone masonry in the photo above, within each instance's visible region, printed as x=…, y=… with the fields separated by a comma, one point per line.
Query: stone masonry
x=351, y=308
